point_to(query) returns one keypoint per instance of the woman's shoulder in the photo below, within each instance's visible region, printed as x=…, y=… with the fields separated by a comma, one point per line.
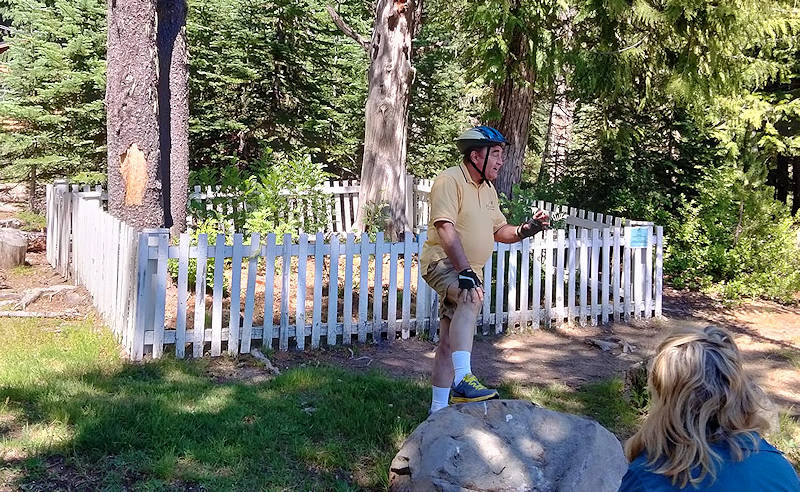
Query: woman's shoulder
x=641, y=477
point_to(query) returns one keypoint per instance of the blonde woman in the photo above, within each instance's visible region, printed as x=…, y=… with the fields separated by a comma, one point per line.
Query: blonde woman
x=703, y=431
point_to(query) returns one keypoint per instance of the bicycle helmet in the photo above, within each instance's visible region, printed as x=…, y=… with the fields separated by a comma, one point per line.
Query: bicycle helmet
x=477, y=138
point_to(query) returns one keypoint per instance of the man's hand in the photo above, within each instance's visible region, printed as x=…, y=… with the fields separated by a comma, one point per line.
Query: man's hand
x=469, y=284
x=539, y=222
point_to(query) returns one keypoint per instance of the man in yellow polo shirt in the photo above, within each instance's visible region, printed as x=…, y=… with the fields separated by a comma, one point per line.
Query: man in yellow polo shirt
x=465, y=222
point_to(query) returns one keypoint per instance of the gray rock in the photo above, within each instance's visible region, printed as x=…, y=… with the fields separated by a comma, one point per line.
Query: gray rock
x=505, y=445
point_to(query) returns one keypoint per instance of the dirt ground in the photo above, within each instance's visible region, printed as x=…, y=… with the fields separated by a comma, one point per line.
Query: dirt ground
x=767, y=333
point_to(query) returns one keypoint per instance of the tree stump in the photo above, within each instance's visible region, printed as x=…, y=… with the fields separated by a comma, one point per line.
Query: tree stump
x=13, y=245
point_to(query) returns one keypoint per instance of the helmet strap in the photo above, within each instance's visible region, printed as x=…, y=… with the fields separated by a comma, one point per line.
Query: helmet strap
x=485, y=162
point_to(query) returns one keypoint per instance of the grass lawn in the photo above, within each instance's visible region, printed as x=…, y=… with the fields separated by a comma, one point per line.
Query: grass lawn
x=74, y=415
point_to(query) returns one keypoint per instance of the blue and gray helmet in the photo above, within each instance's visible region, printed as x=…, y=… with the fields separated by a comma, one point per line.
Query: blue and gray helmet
x=477, y=138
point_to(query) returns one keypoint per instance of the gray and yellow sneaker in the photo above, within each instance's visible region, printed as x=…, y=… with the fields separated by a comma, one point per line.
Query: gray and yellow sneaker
x=470, y=389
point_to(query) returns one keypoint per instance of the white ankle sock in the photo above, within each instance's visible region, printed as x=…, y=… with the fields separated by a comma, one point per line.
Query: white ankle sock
x=441, y=397
x=461, y=365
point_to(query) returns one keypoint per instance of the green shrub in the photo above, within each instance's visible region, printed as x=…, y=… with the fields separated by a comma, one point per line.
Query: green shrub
x=262, y=198
x=211, y=227
x=736, y=237
x=376, y=217
x=31, y=221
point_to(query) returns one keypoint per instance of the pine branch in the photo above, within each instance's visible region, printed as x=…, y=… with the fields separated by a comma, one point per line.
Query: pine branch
x=342, y=25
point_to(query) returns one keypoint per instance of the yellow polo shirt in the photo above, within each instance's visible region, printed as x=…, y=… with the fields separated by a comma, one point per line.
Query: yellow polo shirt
x=474, y=210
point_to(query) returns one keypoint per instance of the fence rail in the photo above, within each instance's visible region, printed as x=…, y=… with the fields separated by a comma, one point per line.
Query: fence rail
x=228, y=293
x=340, y=213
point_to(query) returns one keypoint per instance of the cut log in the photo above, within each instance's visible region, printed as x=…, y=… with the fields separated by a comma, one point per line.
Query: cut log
x=13, y=246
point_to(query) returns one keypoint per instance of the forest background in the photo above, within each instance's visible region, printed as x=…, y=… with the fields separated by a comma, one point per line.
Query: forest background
x=682, y=112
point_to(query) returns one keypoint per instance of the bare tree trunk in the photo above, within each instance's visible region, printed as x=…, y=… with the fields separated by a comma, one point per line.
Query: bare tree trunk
x=514, y=101
x=383, y=169
x=780, y=178
x=134, y=184
x=562, y=111
x=796, y=191
x=559, y=131
x=173, y=103
x=515, y=104
x=32, y=178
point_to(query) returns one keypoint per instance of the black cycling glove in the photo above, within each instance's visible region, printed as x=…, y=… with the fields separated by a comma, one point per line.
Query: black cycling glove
x=468, y=279
x=529, y=228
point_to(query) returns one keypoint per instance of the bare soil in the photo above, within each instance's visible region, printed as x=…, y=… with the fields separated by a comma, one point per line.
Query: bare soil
x=767, y=333
x=37, y=273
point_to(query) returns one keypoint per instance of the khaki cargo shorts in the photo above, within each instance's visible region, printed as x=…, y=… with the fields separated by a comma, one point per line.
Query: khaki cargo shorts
x=439, y=277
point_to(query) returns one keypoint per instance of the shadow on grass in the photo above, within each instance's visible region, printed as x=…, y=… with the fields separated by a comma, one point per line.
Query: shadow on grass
x=168, y=425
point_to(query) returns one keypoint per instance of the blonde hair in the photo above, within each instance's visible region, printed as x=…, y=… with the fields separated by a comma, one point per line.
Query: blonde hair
x=699, y=394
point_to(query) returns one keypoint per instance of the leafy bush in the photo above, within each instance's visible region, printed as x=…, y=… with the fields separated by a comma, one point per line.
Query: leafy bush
x=272, y=199
x=285, y=192
x=32, y=221
x=376, y=217
x=737, y=236
x=211, y=227
x=522, y=207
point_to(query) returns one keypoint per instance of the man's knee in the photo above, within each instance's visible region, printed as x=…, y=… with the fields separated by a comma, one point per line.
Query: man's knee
x=471, y=303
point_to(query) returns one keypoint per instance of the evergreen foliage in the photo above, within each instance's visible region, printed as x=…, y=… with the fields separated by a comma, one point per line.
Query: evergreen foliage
x=53, y=120
x=683, y=108
x=274, y=74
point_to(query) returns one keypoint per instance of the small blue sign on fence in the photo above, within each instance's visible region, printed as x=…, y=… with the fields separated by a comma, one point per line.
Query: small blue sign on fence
x=638, y=237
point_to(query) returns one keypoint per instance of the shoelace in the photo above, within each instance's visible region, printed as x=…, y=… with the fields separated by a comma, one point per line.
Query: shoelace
x=473, y=381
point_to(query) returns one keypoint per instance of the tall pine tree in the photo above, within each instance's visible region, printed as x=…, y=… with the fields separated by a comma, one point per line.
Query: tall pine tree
x=52, y=104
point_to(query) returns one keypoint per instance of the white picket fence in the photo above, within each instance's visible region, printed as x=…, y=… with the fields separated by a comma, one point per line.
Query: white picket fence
x=94, y=249
x=340, y=211
x=338, y=289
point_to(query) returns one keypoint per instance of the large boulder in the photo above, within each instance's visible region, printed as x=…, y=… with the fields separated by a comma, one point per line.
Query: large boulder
x=508, y=445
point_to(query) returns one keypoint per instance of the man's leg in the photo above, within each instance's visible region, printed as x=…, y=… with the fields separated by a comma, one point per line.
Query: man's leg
x=442, y=368
x=461, y=331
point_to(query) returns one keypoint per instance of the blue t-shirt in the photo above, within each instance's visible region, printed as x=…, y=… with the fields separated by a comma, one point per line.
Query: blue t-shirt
x=763, y=469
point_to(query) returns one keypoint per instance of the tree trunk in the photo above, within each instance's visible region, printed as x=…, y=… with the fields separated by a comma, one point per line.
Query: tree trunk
x=134, y=184
x=514, y=101
x=32, y=188
x=781, y=178
x=173, y=103
x=383, y=169
x=796, y=191
x=559, y=131
x=13, y=246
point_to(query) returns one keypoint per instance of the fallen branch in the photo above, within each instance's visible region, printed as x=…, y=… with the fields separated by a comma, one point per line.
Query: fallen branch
x=31, y=295
x=71, y=314
x=264, y=359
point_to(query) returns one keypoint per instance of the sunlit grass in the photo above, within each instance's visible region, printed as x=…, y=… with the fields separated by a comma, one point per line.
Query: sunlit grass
x=65, y=391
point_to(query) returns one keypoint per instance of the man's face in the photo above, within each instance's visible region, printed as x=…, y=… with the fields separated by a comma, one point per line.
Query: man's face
x=494, y=163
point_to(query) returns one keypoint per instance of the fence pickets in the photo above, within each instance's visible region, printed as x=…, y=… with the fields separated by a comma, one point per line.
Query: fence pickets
x=516, y=281
x=317, y=290
x=340, y=211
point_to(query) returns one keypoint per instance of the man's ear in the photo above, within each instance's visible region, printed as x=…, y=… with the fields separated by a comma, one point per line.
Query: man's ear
x=475, y=155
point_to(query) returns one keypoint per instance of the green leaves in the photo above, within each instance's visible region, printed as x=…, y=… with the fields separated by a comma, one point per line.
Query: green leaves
x=53, y=90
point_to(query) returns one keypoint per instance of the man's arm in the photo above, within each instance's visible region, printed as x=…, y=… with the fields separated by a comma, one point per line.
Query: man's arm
x=511, y=233
x=452, y=244
x=507, y=234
